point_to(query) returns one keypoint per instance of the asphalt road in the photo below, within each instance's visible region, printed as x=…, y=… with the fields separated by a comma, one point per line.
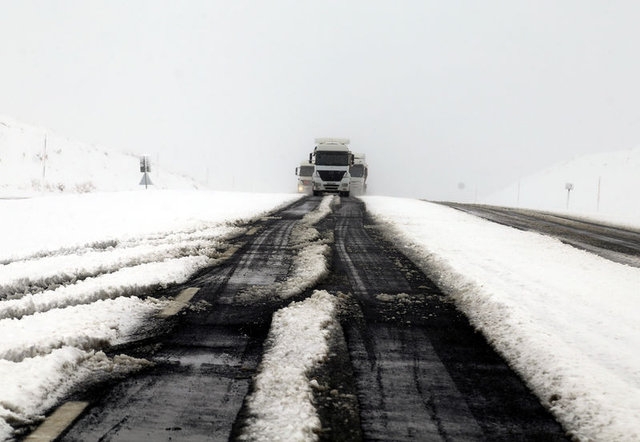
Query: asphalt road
x=408, y=365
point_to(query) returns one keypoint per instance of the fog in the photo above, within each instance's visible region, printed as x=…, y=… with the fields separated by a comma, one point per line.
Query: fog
x=448, y=99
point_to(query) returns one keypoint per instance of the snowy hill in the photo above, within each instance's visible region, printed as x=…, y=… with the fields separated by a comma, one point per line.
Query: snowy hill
x=604, y=183
x=70, y=166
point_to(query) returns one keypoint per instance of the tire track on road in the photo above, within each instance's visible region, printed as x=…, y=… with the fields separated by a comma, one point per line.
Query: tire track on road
x=203, y=367
x=421, y=371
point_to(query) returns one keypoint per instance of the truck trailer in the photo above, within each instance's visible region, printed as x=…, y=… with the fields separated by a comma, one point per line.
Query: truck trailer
x=332, y=159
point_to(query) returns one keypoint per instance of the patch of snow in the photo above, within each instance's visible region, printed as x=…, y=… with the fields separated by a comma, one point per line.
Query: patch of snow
x=281, y=407
x=37, y=383
x=75, y=326
x=127, y=281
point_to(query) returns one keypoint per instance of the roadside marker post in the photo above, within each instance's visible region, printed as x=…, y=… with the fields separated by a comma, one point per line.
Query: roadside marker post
x=145, y=168
x=569, y=187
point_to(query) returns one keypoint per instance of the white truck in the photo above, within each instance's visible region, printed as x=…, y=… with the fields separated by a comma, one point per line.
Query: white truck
x=304, y=172
x=332, y=159
x=359, y=172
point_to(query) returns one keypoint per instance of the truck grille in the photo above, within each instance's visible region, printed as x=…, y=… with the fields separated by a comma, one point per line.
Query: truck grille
x=331, y=175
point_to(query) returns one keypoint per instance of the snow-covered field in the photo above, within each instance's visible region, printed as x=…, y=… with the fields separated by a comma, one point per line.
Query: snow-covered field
x=35, y=159
x=604, y=184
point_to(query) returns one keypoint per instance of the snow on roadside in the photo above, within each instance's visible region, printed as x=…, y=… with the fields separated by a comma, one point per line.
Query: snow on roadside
x=38, y=383
x=29, y=275
x=281, y=406
x=125, y=282
x=52, y=223
x=75, y=326
x=45, y=356
x=104, y=249
x=565, y=319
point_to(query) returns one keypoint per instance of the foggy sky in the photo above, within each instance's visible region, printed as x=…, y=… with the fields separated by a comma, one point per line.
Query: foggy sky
x=448, y=99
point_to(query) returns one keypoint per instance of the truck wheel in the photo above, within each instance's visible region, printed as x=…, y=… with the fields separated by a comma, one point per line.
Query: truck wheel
x=316, y=193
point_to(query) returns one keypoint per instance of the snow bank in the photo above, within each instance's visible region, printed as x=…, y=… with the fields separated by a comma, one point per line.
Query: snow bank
x=64, y=223
x=125, y=282
x=565, y=319
x=281, y=406
x=28, y=275
x=74, y=326
x=37, y=383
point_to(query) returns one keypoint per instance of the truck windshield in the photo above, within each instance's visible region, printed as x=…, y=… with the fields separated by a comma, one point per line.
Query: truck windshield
x=306, y=170
x=357, y=171
x=332, y=158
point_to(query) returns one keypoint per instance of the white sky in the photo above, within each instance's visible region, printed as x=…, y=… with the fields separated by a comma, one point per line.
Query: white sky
x=435, y=93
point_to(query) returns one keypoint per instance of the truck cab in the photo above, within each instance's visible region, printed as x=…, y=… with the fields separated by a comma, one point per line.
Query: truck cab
x=304, y=172
x=332, y=159
x=359, y=172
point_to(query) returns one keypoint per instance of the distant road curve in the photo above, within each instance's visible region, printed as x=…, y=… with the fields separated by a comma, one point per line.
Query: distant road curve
x=618, y=244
